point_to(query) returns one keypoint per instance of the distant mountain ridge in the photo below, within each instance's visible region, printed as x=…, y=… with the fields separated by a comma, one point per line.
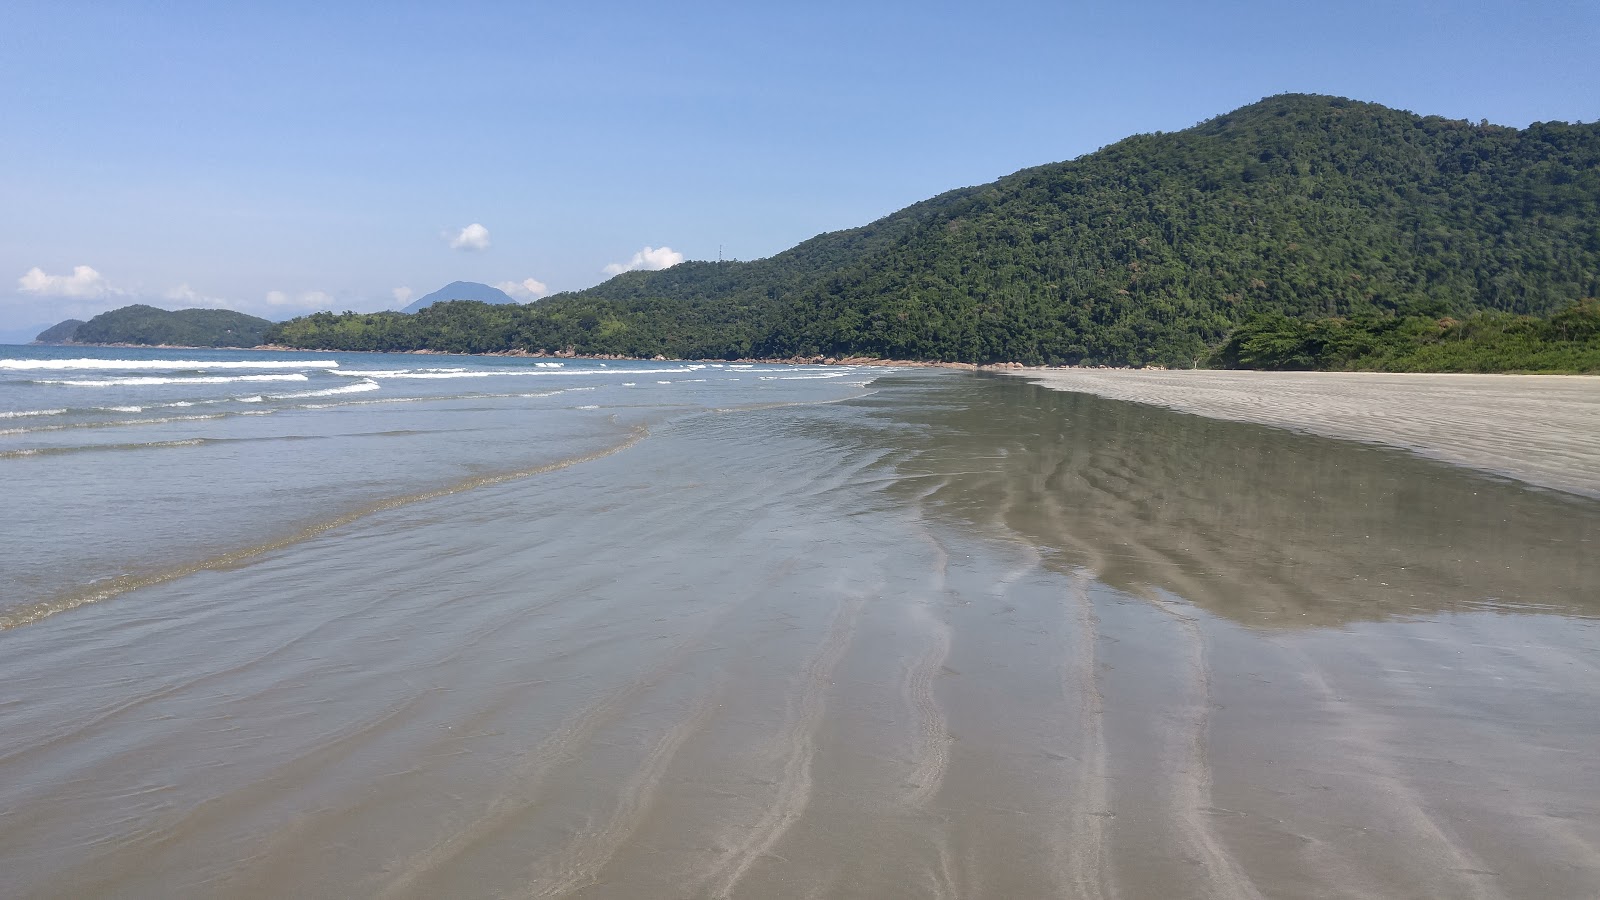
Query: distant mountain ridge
x=1153, y=250
x=461, y=290
x=147, y=325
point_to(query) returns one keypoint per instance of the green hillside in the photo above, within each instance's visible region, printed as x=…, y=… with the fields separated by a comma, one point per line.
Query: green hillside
x=59, y=333
x=139, y=324
x=1152, y=250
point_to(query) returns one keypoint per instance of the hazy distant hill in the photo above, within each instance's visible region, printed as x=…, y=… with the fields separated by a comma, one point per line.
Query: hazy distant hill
x=59, y=333
x=1152, y=250
x=140, y=324
x=461, y=290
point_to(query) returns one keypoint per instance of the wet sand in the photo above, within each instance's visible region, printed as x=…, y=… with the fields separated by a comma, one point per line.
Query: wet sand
x=963, y=637
x=1542, y=429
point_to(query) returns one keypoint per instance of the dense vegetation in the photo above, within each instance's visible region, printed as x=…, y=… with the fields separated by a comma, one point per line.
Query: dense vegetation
x=140, y=324
x=1152, y=250
x=1484, y=341
x=59, y=333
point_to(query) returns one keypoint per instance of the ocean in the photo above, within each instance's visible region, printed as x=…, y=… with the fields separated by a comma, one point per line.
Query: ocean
x=333, y=625
x=127, y=466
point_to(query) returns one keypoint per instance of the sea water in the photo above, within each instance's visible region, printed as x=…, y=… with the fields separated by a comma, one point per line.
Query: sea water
x=424, y=626
x=120, y=465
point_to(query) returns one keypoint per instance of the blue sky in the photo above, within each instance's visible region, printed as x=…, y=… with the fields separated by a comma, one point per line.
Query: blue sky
x=296, y=156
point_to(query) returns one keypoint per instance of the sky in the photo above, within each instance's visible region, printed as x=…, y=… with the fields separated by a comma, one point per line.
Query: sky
x=284, y=157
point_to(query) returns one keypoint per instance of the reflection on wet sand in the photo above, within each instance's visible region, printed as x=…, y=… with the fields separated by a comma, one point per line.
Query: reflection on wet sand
x=962, y=638
x=1259, y=525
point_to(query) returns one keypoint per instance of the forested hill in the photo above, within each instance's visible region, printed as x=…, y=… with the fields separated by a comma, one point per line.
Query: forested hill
x=1152, y=250
x=140, y=324
x=59, y=333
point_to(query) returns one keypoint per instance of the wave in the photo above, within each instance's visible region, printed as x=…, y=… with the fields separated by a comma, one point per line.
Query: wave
x=153, y=380
x=491, y=373
x=26, y=413
x=426, y=374
x=128, y=365
x=90, y=448
x=40, y=413
x=357, y=388
x=388, y=373
x=118, y=423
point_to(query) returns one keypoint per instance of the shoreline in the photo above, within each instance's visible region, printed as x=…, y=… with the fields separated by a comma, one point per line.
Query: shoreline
x=603, y=357
x=821, y=360
x=1533, y=428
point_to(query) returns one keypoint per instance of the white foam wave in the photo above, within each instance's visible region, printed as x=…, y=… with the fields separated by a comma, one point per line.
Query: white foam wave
x=494, y=373
x=549, y=365
x=802, y=377
x=394, y=373
x=589, y=407
x=143, y=381
x=357, y=388
x=129, y=365
x=112, y=424
x=122, y=408
x=25, y=413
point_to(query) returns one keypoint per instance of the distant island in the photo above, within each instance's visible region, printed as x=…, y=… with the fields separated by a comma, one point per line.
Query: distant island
x=461, y=290
x=147, y=325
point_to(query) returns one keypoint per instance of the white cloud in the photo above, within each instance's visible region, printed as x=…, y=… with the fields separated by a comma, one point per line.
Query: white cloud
x=185, y=294
x=313, y=300
x=526, y=290
x=402, y=296
x=84, y=283
x=649, y=259
x=472, y=237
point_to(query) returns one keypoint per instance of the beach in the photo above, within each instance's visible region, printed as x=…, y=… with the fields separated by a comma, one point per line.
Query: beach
x=779, y=632
x=1541, y=429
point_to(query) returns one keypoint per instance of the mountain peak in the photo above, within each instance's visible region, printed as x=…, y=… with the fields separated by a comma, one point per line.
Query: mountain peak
x=461, y=290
